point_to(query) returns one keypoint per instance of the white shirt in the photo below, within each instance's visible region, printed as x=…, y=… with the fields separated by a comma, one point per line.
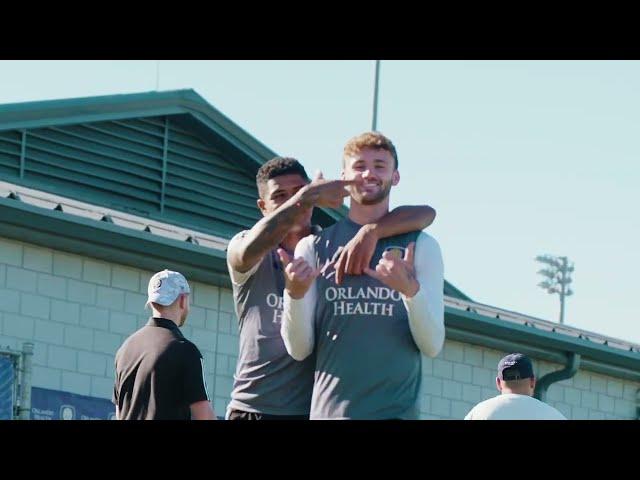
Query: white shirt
x=512, y=406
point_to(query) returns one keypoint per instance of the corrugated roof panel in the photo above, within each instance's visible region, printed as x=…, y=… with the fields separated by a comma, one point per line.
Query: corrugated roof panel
x=10, y=152
x=101, y=137
x=192, y=172
x=103, y=165
x=217, y=210
x=138, y=124
x=100, y=150
x=120, y=130
x=201, y=192
x=9, y=164
x=119, y=164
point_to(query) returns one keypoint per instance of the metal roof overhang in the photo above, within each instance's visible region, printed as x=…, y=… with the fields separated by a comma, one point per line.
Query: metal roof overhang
x=470, y=327
x=114, y=243
x=110, y=242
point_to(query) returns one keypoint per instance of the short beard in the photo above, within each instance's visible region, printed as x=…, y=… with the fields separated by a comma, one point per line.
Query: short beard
x=381, y=196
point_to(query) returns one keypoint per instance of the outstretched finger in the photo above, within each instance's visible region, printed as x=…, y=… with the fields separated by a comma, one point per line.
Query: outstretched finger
x=365, y=261
x=409, y=253
x=339, y=267
x=373, y=274
x=357, y=179
x=383, y=269
x=284, y=257
x=349, y=266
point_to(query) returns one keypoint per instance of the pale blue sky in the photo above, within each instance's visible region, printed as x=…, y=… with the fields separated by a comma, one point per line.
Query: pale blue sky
x=519, y=158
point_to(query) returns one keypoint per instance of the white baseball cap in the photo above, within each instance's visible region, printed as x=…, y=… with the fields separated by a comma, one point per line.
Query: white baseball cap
x=165, y=287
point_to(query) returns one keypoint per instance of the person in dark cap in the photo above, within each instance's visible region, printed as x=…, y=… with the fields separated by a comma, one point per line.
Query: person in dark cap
x=516, y=383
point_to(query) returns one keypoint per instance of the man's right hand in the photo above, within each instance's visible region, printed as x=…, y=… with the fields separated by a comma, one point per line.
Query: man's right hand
x=326, y=193
x=298, y=274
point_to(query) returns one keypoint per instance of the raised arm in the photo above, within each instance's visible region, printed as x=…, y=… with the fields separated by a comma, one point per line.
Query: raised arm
x=269, y=231
x=357, y=253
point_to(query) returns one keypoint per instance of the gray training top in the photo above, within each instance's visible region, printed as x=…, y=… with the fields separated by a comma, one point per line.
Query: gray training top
x=267, y=379
x=367, y=363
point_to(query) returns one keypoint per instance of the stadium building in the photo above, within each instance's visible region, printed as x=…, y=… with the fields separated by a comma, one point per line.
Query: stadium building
x=98, y=193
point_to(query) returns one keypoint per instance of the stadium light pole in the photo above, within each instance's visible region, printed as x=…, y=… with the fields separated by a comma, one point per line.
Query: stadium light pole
x=374, y=123
x=557, y=273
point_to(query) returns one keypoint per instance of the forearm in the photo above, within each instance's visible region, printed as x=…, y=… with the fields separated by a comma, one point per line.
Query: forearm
x=426, y=308
x=297, y=326
x=266, y=234
x=426, y=322
x=404, y=219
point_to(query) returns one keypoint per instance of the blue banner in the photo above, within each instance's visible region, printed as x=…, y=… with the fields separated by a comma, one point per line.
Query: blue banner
x=55, y=405
x=6, y=387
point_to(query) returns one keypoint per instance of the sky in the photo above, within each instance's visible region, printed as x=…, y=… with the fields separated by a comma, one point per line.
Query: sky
x=519, y=158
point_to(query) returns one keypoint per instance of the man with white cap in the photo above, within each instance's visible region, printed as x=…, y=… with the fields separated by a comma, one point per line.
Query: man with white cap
x=159, y=374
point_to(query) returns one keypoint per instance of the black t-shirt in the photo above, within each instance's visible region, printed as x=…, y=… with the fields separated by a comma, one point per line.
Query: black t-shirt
x=159, y=374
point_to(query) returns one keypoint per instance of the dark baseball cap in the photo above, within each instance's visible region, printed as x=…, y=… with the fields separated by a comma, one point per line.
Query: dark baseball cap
x=515, y=366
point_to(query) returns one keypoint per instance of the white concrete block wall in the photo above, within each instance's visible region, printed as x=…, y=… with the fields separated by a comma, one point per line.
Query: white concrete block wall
x=463, y=375
x=78, y=311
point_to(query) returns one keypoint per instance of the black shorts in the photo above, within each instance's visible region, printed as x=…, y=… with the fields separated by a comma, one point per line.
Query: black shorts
x=240, y=415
